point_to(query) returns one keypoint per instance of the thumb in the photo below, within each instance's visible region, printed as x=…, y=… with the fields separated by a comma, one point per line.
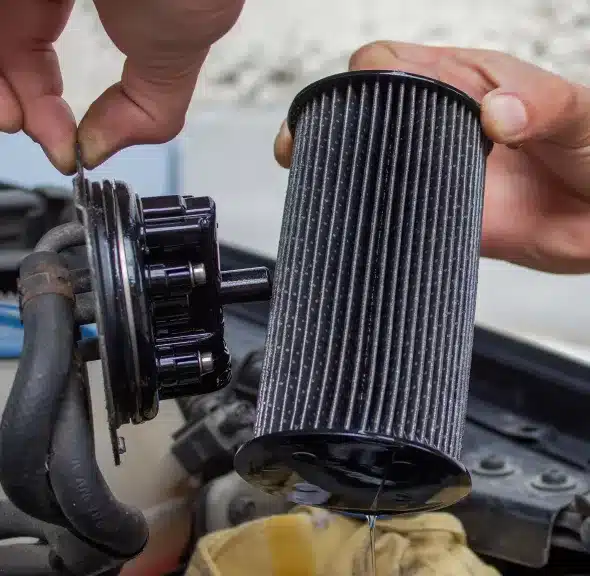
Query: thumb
x=148, y=106
x=546, y=114
x=538, y=105
x=283, y=146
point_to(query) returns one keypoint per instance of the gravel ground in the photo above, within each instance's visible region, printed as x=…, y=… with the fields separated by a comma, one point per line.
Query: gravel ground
x=279, y=46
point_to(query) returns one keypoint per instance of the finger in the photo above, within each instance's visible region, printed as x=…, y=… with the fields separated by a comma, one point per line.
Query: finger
x=283, y=146
x=389, y=55
x=46, y=118
x=148, y=106
x=30, y=68
x=549, y=117
x=530, y=103
x=11, y=115
x=527, y=221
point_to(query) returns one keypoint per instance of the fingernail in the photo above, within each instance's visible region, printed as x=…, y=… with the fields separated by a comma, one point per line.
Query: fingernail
x=94, y=149
x=284, y=131
x=506, y=114
x=283, y=145
x=62, y=157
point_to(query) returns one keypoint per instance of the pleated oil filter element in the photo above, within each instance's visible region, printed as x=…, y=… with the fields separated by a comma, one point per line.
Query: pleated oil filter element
x=364, y=383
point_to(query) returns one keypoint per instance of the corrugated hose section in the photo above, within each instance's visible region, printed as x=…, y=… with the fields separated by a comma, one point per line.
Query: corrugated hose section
x=374, y=294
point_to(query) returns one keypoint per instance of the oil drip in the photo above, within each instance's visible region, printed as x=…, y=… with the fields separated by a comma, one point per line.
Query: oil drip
x=372, y=570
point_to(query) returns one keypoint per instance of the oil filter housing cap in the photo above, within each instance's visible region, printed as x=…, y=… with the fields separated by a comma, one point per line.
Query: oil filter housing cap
x=158, y=297
x=364, y=384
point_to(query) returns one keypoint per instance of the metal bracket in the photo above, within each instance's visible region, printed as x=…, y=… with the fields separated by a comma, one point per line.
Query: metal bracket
x=537, y=436
x=516, y=498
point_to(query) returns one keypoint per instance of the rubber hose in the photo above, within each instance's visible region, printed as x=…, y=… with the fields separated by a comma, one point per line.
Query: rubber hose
x=81, y=280
x=16, y=524
x=29, y=417
x=79, y=486
x=85, y=310
x=27, y=560
x=61, y=237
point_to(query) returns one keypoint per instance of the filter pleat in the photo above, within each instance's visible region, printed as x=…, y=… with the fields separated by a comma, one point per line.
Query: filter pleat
x=340, y=157
x=428, y=209
x=365, y=246
x=390, y=264
x=347, y=282
x=374, y=276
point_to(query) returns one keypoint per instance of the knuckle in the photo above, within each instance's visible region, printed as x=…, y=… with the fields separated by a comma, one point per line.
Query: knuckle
x=169, y=129
x=564, y=113
x=162, y=129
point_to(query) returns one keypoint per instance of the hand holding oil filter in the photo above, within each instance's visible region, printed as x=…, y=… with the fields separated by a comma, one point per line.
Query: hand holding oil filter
x=365, y=379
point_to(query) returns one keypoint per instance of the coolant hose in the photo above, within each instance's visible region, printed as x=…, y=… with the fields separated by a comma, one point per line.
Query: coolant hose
x=48, y=465
x=78, y=484
x=64, y=236
x=29, y=417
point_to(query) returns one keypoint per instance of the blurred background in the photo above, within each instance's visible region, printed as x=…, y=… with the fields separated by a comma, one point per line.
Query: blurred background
x=225, y=150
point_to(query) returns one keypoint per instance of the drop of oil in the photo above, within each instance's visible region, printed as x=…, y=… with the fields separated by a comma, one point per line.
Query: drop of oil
x=371, y=552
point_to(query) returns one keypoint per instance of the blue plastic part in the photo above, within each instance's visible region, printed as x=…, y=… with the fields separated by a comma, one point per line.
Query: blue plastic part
x=88, y=331
x=12, y=334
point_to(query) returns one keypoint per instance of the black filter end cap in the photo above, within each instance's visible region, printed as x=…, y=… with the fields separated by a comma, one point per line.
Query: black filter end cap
x=343, y=80
x=358, y=473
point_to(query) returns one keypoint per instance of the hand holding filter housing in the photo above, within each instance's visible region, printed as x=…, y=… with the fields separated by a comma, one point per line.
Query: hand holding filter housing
x=364, y=384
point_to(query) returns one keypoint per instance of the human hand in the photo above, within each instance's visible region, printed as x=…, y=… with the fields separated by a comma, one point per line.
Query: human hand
x=165, y=42
x=537, y=190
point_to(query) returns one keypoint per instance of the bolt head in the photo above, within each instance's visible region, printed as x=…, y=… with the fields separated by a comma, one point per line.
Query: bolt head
x=554, y=477
x=492, y=462
x=554, y=480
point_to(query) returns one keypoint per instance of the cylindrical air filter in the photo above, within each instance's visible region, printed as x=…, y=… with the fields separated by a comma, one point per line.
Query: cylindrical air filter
x=365, y=378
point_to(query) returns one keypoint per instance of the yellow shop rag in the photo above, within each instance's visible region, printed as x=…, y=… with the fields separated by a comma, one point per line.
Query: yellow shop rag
x=313, y=542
